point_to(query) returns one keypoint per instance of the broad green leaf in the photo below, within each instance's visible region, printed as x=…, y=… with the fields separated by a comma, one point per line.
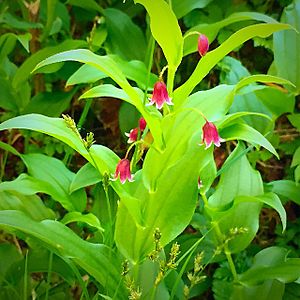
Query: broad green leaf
x=16, y=23
x=54, y=127
x=50, y=104
x=244, y=132
x=30, y=205
x=85, y=74
x=76, y=216
x=212, y=30
x=269, y=289
x=86, y=176
x=183, y=7
x=286, y=46
x=107, y=65
x=125, y=38
x=107, y=90
x=23, y=72
x=54, y=173
x=285, y=271
x=236, y=180
x=287, y=189
x=243, y=214
x=165, y=30
x=98, y=260
x=134, y=70
x=213, y=57
x=273, y=200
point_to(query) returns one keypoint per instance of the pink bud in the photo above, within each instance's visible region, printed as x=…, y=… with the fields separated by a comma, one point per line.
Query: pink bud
x=123, y=169
x=142, y=124
x=203, y=44
x=210, y=135
x=133, y=135
x=160, y=95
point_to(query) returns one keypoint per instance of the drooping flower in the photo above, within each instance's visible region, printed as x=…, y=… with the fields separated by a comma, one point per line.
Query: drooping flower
x=133, y=135
x=203, y=44
x=142, y=124
x=160, y=95
x=123, y=169
x=210, y=135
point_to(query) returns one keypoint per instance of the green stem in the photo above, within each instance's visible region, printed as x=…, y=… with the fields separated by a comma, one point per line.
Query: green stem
x=84, y=113
x=26, y=276
x=230, y=262
x=49, y=275
x=170, y=3
x=4, y=157
x=109, y=215
x=150, y=54
x=226, y=251
x=205, y=200
x=170, y=80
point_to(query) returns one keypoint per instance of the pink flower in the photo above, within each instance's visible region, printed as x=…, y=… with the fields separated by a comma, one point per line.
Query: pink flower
x=203, y=44
x=142, y=124
x=160, y=95
x=210, y=135
x=133, y=135
x=123, y=169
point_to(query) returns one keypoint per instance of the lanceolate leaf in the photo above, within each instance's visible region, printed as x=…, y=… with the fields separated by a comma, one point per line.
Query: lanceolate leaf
x=213, y=57
x=165, y=30
x=212, y=30
x=98, y=260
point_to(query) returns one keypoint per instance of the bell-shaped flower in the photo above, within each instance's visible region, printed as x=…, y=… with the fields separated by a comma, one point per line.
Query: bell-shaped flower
x=133, y=135
x=142, y=124
x=210, y=135
x=203, y=44
x=123, y=169
x=160, y=95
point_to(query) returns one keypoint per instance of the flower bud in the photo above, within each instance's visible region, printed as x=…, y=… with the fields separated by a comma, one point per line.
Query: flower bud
x=142, y=124
x=203, y=44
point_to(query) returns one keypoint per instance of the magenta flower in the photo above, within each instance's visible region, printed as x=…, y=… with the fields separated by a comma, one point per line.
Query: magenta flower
x=160, y=95
x=133, y=135
x=123, y=169
x=142, y=124
x=210, y=135
x=203, y=44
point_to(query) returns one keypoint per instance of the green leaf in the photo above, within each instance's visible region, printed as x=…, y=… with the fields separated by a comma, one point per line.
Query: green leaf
x=134, y=70
x=54, y=127
x=296, y=158
x=89, y=219
x=295, y=120
x=55, y=174
x=86, y=176
x=183, y=7
x=239, y=178
x=24, y=71
x=247, y=133
x=270, y=264
x=286, y=46
x=212, y=30
x=165, y=30
x=124, y=37
x=98, y=260
x=50, y=104
x=286, y=188
x=213, y=57
x=30, y=205
x=273, y=200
